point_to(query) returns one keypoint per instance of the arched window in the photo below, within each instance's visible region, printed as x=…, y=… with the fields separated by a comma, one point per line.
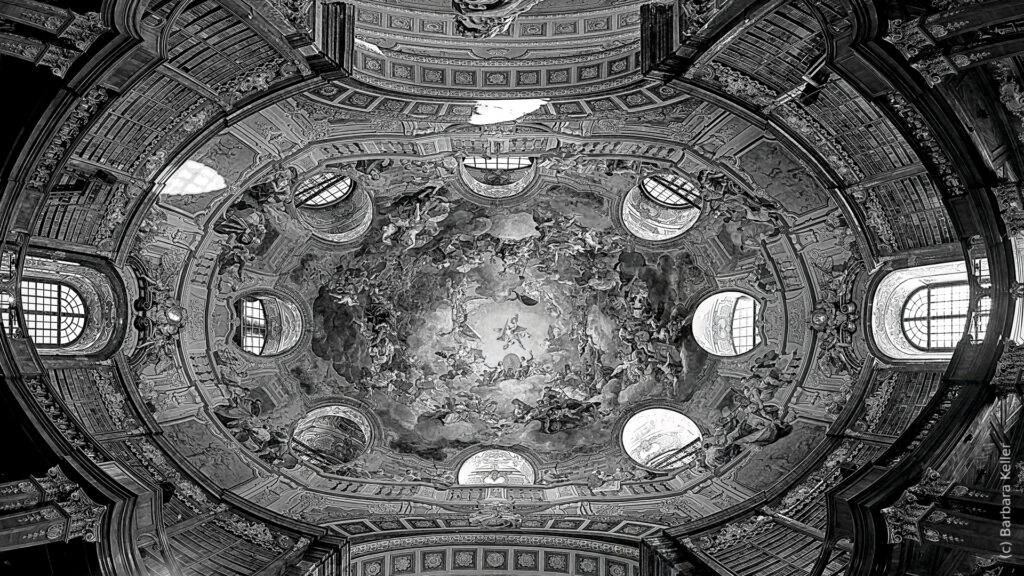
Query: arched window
x=671, y=190
x=497, y=467
x=267, y=325
x=323, y=190
x=921, y=313
x=934, y=316
x=725, y=324
x=501, y=163
x=54, y=313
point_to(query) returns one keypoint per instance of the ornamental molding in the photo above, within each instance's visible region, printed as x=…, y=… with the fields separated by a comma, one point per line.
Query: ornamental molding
x=254, y=532
x=86, y=107
x=901, y=519
x=735, y=83
x=875, y=404
x=1011, y=207
x=768, y=101
x=295, y=12
x=1011, y=95
x=64, y=423
x=84, y=29
x=935, y=69
x=393, y=7
x=626, y=49
x=115, y=403
x=85, y=517
x=1009, y=367
x=946, y=399
x=908, y=38
x=629, y=79
x=545, y=541
x=734, y=534
x=915, y=123
x=497, y=47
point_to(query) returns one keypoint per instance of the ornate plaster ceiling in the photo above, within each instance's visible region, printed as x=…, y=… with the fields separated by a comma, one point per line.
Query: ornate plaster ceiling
x=536, y=321
x=546, y=51
x=455, y=347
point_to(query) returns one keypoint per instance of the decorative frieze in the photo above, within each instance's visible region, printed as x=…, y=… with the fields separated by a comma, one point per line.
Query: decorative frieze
x=80, y=116
x=916, y=125
x=65, y=424
x=255, y=532
x=734, y=534
x=735, y=83
x=948, y=397
x=875, y=404
x=115, y=403
x=256, y=79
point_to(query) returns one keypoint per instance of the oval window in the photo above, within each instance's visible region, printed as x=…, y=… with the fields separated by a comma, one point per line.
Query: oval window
x=725, y=324
x=661, y=439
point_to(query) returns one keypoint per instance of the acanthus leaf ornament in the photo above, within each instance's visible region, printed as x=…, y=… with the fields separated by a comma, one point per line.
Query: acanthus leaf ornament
x=901, y=519
x=933, y=153
x=80, y=116
x=908, y=38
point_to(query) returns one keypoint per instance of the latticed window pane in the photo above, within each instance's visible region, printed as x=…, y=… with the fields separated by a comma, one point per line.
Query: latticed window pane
x=5, y=313
x=934, y=316
x=54, y=313
x=323, y=189
x=254, y=325
x=671, y=190
x=744, y=335
x=503, y=163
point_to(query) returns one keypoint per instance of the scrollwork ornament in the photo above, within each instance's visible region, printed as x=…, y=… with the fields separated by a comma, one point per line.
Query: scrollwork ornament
x=935, y=69
x=80, y=116
x=84, y=29
x=908, y=38
x=916, y=125
x=902, y=517
x=1011, y=207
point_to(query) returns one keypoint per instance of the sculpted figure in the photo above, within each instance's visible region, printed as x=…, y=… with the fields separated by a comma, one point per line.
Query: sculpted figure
x=487, y=18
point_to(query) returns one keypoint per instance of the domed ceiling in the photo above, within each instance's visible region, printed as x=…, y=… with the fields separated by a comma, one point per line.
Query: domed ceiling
x=500, y=326
x=632, y=303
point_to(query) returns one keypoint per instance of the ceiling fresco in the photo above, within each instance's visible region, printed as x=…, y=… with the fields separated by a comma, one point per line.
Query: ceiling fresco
x=509, y=286
x=454, y=337
x=492, y=347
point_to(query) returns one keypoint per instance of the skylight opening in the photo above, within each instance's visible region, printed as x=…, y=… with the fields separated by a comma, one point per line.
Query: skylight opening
x=193, y=178
x=496, y=111
x=501, y=163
